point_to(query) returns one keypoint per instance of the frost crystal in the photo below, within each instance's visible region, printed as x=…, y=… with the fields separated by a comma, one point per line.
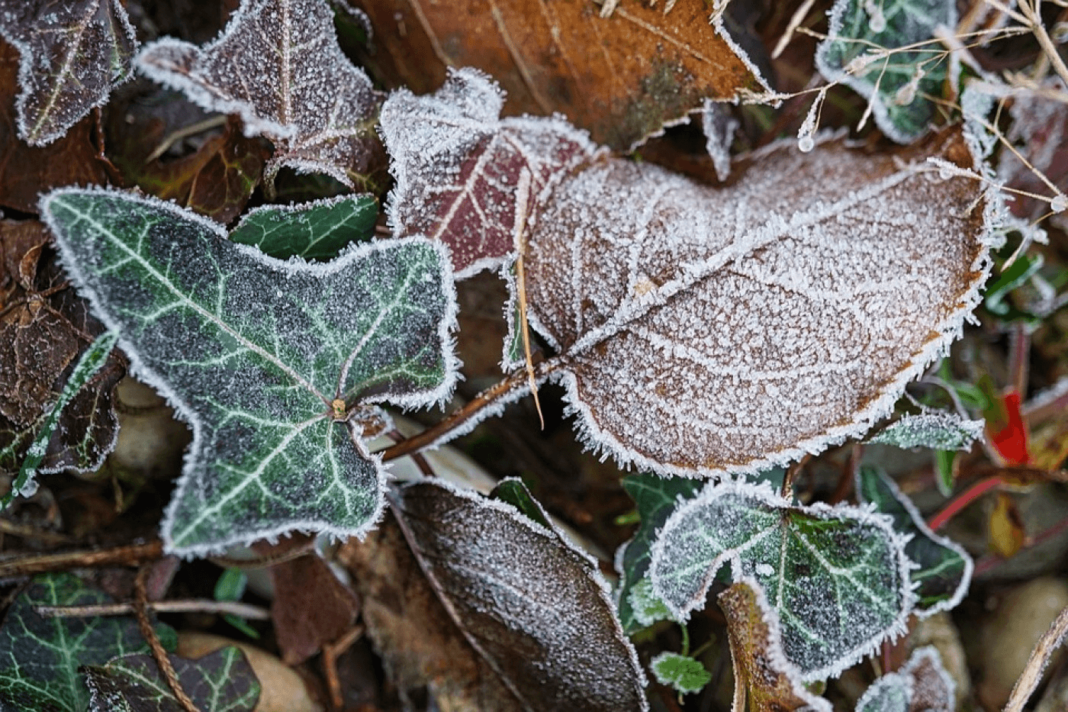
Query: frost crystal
x=279, y=66
x=938, y=430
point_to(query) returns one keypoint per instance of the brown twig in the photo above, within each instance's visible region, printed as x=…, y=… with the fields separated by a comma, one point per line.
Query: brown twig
x=195, y=605
x=132, y=555
x=331, y=652
x=1028, y=681
x=487, y=398
x=420, y=461
x=140, y=611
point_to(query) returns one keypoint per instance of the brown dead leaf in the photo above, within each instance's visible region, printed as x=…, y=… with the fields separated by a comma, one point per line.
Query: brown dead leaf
x=411, y=630
x=26, y=172
x=1006, y=527
x=760, y=668
x=623, y=77
x=43, y=328
x=311, y=607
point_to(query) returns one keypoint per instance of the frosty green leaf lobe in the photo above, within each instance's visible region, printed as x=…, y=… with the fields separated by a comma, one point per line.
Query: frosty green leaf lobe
x=221, y=681
x=682, y=673
x=944, y=568
x=900, y=85
x=837, y=577
x=937, y=430
x=254, y=352
x=40, y=657
x=313, y=231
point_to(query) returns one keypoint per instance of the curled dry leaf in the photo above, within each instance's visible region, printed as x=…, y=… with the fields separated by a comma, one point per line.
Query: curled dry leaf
x=533, y=608
x=761, y=671
x=922, y=685
x=278, y=65
x=72, y=54
x=622, y=77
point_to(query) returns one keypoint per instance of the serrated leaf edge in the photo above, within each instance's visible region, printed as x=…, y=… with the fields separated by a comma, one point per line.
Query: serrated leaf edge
x=763, y=493
x=918, y=521
x=355, y=253
x=906, y=678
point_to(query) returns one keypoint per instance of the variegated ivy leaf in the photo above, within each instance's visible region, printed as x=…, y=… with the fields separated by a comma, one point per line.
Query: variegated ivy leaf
x=943, y=568
x=836, y=577
x=863, y=49
x=222, y=681
x=656, y=498
x=312, y=231
x=937, y=430
x=921, y=685
x=40, y=658
x=274, y=364
x=71, y=55
x=710, y=331
x=465, y=176
x=279, y=66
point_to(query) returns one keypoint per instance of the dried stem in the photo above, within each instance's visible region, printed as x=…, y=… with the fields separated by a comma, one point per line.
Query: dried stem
x=120, y=556
x=1039, y=659
x=194, y=605
x=140, y=611
x=1030, y=9
x=493, y=395
x=331, y=652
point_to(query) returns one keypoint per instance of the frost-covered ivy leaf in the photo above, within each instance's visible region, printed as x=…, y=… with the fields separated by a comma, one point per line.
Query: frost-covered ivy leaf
x=921, y=685
x=680, y=672
x=89, y=363
x=466, y=177
x=40, y=657
x=221, y=681
x=274, y=364
x=278, y=65
x=758, y=322
x=534, y=607
x=656, y=498
x=312, y=231
x=904, y=85
x=71, y=56
x=944, y=568
x=936, y=430
x=838, y=576
x=761, y=669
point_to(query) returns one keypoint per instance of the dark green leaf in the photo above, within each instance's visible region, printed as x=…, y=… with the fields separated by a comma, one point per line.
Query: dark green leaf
x=221, y=681
x=313, y=231
x=40, y=657
x=945, y=569
x=837, y=577
x=683, y=673
x=264, y=358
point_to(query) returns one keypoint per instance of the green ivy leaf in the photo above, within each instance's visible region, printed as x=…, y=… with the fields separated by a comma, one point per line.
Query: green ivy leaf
x=275, y=364
x=837, y=577
x=656, y=498
x=683, y=673
x=512, y=491
x=221, y=681
x=900, y=85
x=314, y=231
x=944, y=567
x=936, y=430
x=91, y=361
x=40, y=657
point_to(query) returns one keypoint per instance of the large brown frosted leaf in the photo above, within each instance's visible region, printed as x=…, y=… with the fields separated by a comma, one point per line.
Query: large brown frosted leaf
x=621, y=77
x=278, y=65
x=72, y=53
x=460, y=169
x=534, y=609
x=709, y=330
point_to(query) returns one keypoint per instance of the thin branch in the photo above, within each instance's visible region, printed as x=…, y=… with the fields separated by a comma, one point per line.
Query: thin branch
x=132, y=555
x=1032, y=674
x=140, y=611
x=193, y=605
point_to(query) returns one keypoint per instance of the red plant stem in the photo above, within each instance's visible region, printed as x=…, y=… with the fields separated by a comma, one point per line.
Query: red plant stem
x=963, y=500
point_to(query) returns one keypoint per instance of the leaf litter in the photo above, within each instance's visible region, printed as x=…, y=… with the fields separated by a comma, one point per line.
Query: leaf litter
x=278, y=65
